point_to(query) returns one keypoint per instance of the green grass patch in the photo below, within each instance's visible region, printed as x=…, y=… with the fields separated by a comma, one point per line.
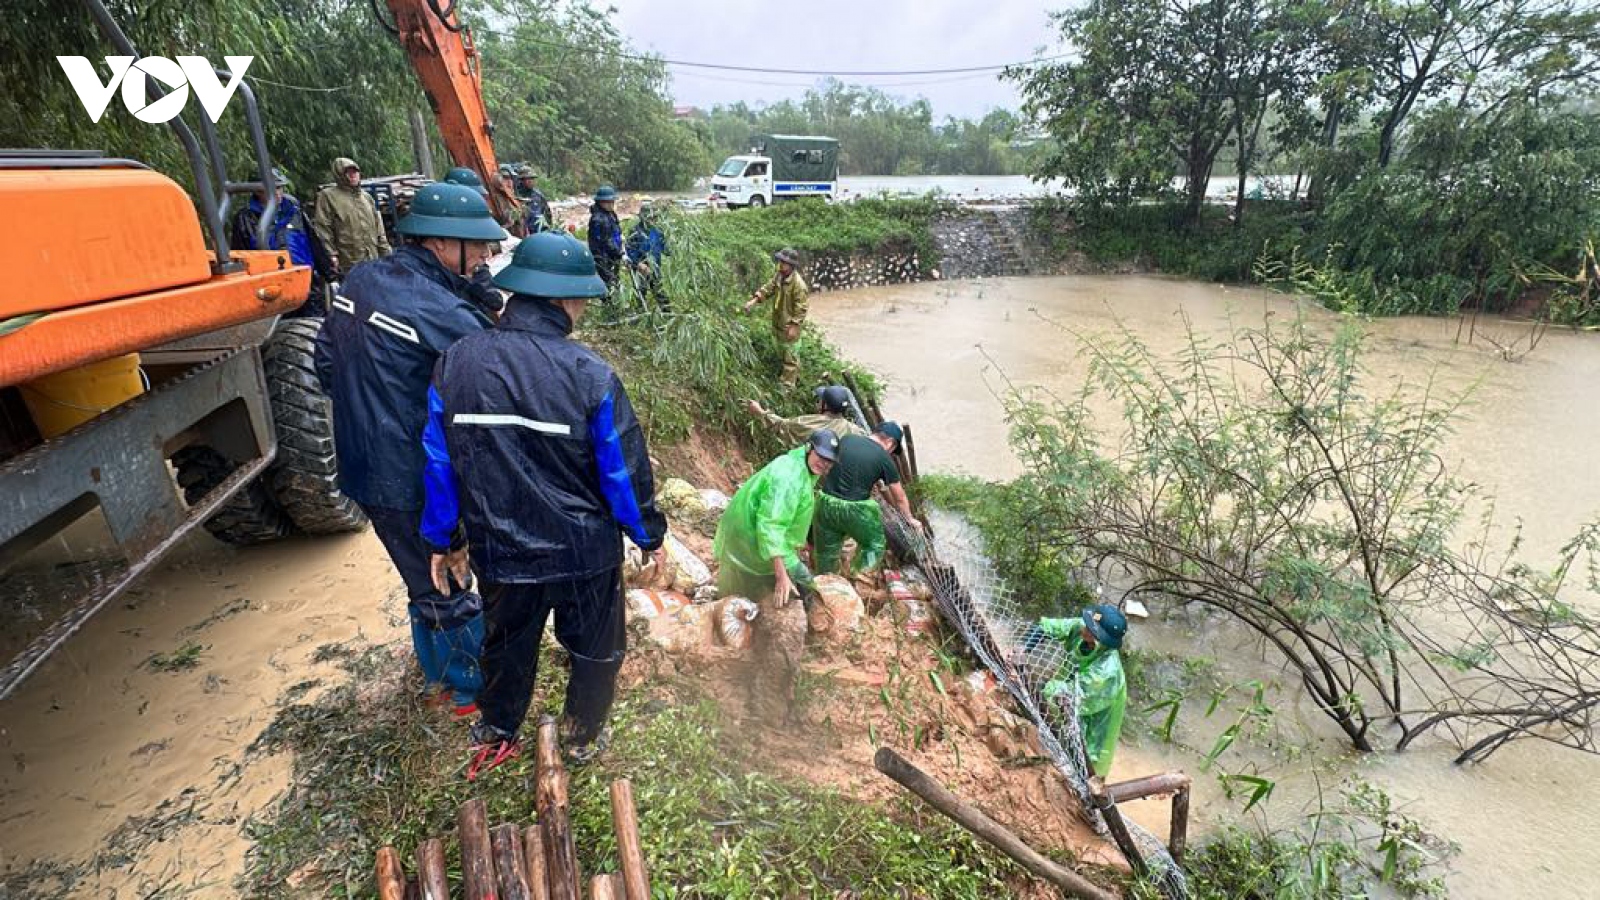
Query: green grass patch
x=371, y=768
x=182, y=659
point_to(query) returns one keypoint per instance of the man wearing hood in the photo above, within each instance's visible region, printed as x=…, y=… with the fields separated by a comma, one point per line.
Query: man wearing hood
x=346, y=220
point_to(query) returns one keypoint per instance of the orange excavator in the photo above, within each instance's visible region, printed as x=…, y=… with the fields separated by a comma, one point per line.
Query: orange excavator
x=153, y=380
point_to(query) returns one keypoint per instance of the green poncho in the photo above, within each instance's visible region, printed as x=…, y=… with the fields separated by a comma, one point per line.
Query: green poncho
x=769, y=516
x=1102, y=689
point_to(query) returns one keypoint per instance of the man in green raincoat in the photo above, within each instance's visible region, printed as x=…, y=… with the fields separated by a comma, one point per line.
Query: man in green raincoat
x=1093, y=667
x=767, y=521
x=346, y=221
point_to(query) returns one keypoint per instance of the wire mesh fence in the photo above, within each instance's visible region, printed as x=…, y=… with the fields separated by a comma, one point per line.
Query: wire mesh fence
x=975, y=600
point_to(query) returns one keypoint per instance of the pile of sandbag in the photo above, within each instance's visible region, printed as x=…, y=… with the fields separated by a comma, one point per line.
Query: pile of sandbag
x=700, y=509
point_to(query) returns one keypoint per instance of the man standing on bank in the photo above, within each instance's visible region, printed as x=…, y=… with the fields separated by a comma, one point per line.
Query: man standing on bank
x=788, y=293
x=846, y=507
x=537, y=467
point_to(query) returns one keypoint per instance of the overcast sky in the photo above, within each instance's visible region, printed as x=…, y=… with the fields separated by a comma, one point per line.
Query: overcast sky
x=871, y=35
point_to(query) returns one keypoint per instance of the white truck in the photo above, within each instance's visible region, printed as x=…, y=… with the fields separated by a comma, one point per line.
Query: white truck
x=779, y=167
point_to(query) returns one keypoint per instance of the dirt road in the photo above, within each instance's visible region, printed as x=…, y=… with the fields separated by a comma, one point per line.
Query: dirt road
x=123, y=778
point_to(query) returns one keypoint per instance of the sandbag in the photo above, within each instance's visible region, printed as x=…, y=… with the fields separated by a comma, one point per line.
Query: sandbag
x=688, y=572
x=685, y=630
x=912, y=614
x=734, y=616
x=678, y=499
x=838, y=610
x=648, y=604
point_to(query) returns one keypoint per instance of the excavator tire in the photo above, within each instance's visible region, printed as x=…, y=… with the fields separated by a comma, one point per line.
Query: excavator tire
x=249, y=517
x=304, y=478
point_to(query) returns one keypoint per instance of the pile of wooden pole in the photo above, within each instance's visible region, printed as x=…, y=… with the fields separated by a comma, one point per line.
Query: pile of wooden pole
x=538, y=862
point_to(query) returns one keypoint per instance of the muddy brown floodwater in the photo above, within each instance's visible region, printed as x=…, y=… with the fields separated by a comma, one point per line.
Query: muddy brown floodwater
x=1525, y=819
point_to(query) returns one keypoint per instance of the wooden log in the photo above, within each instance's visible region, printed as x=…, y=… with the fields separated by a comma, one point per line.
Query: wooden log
x=606, y=887
x=477, y=856
x=1178, y=834
x=1148, y=786
x=1118, y=828
x=431, y=871
x=509, y=865
x=971, y=818
x=391, y=875
x=911, y=454
x=533, y=851
x=555, y=824
x=625, y=819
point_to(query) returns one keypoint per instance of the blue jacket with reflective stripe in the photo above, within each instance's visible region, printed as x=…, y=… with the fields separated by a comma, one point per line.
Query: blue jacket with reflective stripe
x=533, y=447
x=375, y=356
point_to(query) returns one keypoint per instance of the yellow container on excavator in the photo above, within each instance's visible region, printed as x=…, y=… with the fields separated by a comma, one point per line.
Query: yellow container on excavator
x=65, y=400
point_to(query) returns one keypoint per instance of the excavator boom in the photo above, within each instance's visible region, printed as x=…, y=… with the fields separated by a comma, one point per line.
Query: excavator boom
x=445, y=58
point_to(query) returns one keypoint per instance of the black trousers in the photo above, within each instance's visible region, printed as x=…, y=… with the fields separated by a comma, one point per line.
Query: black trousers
x=400, y=531
x=589, y=625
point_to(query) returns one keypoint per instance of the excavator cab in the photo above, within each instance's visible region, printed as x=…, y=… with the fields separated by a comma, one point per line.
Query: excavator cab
x=147, y=383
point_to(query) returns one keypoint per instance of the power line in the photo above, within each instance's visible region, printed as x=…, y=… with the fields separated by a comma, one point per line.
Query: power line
x=761, y=70
x=796, y=84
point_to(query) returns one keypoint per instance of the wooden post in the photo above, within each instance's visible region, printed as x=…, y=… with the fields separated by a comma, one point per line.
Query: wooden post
x=533, y=851
x=606, y=887
x=430, y=870
x=1119, y=829
x=509, y=866
x=422, y=150
x=971, y=818
x=391, y=875
x=625, y=819
x=1178, y=833
x=555, y=824
x=477, y=857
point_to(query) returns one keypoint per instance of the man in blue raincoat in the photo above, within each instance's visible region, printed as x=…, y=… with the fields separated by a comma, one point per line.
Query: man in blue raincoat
x=376, y=352
x=537, y=469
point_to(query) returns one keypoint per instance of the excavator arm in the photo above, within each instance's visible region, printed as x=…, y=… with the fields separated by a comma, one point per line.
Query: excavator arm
x=446, y=59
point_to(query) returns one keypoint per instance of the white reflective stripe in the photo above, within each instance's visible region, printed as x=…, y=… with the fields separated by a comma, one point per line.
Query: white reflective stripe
x=394, y=327
x=344, y=304
x=504, y=419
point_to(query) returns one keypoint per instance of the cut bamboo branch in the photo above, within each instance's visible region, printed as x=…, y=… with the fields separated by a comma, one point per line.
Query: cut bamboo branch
x=533, y=851
x=477, y=856
x=971, y=818
x=625, y=818
x=1119, y=829
x=606, y=887
x=555, y=825
x=1148, y=786
x=431, y=871
x=391, y=875
x=509, y=866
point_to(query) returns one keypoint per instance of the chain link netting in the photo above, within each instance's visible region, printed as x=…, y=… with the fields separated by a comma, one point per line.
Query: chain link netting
x=977, y=603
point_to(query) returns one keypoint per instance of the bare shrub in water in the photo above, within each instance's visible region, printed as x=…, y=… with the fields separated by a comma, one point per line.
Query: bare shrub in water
x=1255, y=476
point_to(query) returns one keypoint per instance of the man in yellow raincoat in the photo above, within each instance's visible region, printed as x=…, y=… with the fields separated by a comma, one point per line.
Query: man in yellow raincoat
x=1093, y=668
x=788, y=293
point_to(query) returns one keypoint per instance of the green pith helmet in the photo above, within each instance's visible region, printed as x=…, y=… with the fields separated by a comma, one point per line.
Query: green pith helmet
x=605, y=193
x=445, y=210
x=526, y=171
x=554, y=265
x=466, y=178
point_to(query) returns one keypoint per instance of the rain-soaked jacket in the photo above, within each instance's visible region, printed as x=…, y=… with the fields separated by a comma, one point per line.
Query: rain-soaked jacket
x=534, y=448
x=1102, y=689
x=347, y=222
x=375, y=356
x=788, y=297
x=605, y=241
x=797, y=429
x=768, y=516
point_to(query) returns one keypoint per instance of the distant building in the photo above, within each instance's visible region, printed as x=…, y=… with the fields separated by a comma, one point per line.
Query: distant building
x=688, y=112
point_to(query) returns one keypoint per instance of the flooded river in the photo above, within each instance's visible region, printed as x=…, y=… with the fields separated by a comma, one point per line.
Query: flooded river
x=1524, y=820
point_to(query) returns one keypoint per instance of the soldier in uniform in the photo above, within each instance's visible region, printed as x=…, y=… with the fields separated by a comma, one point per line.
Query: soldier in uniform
x=788, y=292
x=347, y=221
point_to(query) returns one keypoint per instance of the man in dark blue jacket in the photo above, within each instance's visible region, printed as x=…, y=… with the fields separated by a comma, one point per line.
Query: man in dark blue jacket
x=605, y=235
x=553, y=471
x=646, y=245
x=375, y=355
x=287, y=233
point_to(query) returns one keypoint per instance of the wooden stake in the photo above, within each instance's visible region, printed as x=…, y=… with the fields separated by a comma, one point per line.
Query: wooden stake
x=477, y=856
x=1178, y=834
x=509, y=866
x=1119, y=829
x=625, y=819
x=555, y=825
x=533, y=851
x=430, y=870
x=606, y=887
x=391, y=875
x=971, y=818
x=1148, y=786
